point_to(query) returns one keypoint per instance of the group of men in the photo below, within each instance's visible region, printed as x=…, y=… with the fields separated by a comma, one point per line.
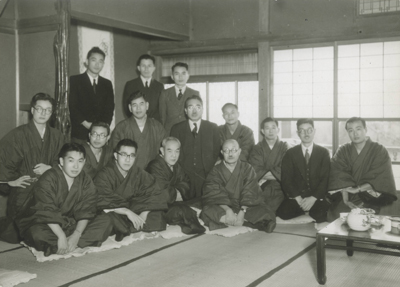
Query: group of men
x=163, y=159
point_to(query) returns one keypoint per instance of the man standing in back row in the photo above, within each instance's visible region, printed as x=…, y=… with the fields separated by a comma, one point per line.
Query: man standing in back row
x=91, y=97
x=146, y=84
x=172, y=100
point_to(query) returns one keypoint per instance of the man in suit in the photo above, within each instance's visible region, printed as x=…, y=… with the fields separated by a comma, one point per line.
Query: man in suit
x=172, y=100
x=91, y=97
x=200, y=143
x=146, y=84
x=305, y=175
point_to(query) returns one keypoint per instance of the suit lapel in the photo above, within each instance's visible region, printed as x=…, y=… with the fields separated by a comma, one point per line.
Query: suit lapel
x=300, y=161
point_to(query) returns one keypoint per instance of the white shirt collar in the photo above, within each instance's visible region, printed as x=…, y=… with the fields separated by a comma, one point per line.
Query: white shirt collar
x=91, y=79
x=177, y=90
x=145, y=80
x=310, y=148
x=198, y=123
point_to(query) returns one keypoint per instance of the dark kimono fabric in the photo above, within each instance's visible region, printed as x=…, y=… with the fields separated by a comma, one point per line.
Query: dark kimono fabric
x=138, y=191
x=20, y=151
x=92, y=166
x=149, y=140
x=169, y=181
x=243, y=135
x=348, y=168
x=235, y=190
x=179, y=213
x=53, y=203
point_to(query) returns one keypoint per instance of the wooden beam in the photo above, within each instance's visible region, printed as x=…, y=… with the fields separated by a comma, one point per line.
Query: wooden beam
x=85, y=17
x=38, y=24
x=264, y=81
x=263, y=16
x=8, y=26
x=213, y=78
x=3, y=4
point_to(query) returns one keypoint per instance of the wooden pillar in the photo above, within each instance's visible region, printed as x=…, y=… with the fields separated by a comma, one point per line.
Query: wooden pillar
x=61, y=47
x=264, y=81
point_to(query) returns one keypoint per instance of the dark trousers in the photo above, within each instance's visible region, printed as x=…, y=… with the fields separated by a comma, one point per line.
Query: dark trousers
x=181, y=214
x=42, y=238
x=290, y=209
x=272, y=194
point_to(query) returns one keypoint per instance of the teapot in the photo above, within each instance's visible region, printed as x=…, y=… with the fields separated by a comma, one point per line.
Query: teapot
x=359, y=219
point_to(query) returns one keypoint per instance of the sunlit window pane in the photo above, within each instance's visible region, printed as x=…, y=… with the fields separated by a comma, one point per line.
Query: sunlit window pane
x=220, y=94
x=248, y=105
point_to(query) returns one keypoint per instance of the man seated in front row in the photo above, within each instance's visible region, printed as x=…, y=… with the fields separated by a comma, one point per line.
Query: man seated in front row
x=305, y=174
x=62, y=213
x=146, y=132
x=129, y=194
x=175, y=186
x=266, y=159
x=232, y=196
x=362, y=171
x=233, y=129
x=98, y=153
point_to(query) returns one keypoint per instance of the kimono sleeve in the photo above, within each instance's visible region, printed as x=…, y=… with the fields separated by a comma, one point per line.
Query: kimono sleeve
x=11, y=157
x=250, y=194
x=107, y=197
x=85, y=207
x=256, y=159
x=246, y=141
x=214, y=191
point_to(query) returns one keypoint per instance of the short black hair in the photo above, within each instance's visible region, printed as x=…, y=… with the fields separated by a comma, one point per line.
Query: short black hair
x=193, y=97
x=145, y=57
x=43, y=97
x=96, y=50
x=68, y=147
x=136, y=95
x=100, y=124
x=180, y=64
x=126, y=142
x=304, y=121
x=355, y=119
x=229, y=104
x=267, y=120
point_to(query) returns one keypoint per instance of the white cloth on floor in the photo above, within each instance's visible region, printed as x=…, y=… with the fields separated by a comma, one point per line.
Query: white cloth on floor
x=9, y=278
x=302, y=219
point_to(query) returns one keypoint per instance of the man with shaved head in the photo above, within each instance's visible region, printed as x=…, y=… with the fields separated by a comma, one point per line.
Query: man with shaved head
x=175, y=186
x=232, y=196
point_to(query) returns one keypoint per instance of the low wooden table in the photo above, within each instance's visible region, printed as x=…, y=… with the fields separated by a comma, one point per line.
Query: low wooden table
x=339, y=230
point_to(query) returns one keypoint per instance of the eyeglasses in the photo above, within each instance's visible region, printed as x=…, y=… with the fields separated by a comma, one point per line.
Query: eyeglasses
x=228, y=151
x=98, y=136
x=191, y=108
x=125, y=156
x=307, y=131
x=40, y=110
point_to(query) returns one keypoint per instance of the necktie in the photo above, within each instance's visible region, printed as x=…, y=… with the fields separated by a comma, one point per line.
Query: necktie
x=94, y=86
x=147, y=84
x=307, y=156
x=194, y=130
x=180, y=95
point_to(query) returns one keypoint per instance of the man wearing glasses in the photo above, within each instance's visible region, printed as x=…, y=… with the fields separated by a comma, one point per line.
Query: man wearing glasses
x=25, y=154
x=200, y=143
x=129, y=194
x=98, y=153
x=305, y=174
x=146, y=131
x=232, y=195
x=362, y=171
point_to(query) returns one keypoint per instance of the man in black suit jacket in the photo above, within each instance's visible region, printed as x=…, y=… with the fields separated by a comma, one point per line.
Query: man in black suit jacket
x=146, y=84
x=305, y=175
x=200, y=143
x=91, y=97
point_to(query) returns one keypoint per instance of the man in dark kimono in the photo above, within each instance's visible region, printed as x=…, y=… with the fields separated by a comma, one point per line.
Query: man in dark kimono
x=233, y=129
x=305, y=174
x=175, y=186
x=172, y=100
x=146, y=84
x=25, y=154
x=200, y=144
x=232, y=195
x=129, y=194
x=362, y=171
x=98, y=153
x=147, y=132
x=91, y=97
x=62, y=213
x=266, y=159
